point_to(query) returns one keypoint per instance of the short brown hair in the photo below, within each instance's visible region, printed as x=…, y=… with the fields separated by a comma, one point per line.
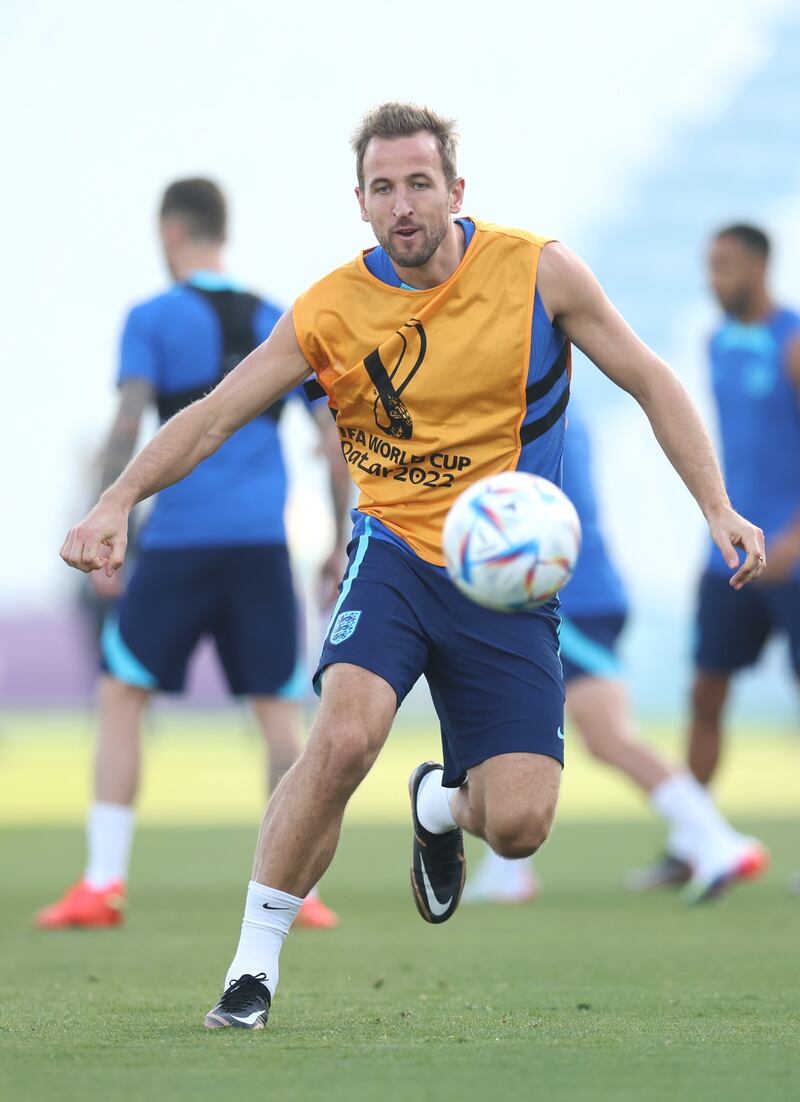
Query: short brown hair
x=201, y=205
x=402, y=120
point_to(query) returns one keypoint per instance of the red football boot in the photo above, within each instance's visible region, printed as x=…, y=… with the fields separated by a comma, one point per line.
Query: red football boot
x=85, y=906
x=314, y=915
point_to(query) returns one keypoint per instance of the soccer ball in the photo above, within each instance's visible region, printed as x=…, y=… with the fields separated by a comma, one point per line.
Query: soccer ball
x=511, y=541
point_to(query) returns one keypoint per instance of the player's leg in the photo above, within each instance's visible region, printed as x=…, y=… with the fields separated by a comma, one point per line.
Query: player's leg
x=732, y=628
x=145, y=648
x=256, y=634
x=609, y=733
x=507, y=880
x=117, y=754
x=713, y=853
x=784, y=605
x=510, y=802
x=117, y=767
x=257, y=639
x=362, y=681
x=98, y=898
x=709, y=696
x=300, y=832
x=588, y=653
x=497, y=687
x=300, y=828
x=280, y=722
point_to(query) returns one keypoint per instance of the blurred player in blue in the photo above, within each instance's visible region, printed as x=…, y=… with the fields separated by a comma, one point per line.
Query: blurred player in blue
x=593, y=611
x=212, y=555
x=755, y=374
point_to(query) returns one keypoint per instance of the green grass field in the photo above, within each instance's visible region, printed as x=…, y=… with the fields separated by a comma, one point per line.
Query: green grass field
x=587, y=994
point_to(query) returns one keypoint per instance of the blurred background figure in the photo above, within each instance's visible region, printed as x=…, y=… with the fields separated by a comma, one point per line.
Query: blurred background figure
x=212, y=555
x=593, y=612
x=755, y=373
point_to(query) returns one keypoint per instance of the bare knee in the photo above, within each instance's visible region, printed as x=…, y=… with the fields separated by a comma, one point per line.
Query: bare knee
x=342, y=754
x=355, y=716
x=119, y=694
x=604, y=746
x=518, y=836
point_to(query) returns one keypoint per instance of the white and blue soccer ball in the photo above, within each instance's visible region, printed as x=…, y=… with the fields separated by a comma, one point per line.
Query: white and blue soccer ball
x=511, y=541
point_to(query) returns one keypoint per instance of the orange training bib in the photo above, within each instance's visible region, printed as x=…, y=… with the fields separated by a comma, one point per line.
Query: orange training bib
x=428, y=387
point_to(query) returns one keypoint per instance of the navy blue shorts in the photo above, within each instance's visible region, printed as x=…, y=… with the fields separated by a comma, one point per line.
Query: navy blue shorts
x=733, y=625
x=588, y=646
x=242, y=597
x=495, y=678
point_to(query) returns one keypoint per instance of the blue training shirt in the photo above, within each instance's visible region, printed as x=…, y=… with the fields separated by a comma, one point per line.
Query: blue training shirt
x=759, y=421
x=596, y=589
x=237, y=495
x=543, y=455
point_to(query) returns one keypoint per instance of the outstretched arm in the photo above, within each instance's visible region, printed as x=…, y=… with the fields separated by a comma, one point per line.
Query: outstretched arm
x=196, y=432
x=576, y=302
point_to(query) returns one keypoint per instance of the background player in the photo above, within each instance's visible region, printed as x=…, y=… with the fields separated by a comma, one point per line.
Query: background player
x=593, y=611
x=212, y=555
x=476, y=287
x=755, y=374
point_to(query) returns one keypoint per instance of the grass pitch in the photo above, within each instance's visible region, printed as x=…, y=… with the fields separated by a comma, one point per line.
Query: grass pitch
x=587, y=994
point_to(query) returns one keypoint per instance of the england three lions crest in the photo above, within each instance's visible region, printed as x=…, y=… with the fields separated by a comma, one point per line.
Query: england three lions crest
x=343, y=626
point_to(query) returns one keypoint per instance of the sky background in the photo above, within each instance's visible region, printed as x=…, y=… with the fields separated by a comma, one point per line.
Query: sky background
x=562, y=112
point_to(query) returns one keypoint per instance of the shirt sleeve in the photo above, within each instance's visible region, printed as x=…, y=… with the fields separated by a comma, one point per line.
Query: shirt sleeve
x=309, y=345
x=139, y=350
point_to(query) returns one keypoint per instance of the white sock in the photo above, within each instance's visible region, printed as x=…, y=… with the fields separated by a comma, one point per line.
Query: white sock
x=433, y=803
x=504, y=867
x=314, y=893
x=507, y=879
x=695, y=823
x=109, y=837
x=268, y=914
x=503, y=874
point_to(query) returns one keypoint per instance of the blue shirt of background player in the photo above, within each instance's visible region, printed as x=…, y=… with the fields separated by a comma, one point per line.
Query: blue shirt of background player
x=237, y=495
x=596, y=588
x=759, y=422
x=542, y=455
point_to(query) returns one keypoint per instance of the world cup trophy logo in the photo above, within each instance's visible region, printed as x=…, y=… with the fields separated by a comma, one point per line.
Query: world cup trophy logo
x=391, y=414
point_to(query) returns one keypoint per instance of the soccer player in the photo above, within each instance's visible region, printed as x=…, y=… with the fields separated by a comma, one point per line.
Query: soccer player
x=755, y=372
x=593, y=611
x=212, y=554
x=444, y=356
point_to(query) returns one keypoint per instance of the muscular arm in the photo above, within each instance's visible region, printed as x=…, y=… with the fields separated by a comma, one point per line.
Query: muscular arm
x=182, y=443
x=576, y=302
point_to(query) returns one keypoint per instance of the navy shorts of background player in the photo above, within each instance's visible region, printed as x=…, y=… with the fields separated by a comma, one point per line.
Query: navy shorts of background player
x=759, y=422
x=212, y=557
x=594, y=604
